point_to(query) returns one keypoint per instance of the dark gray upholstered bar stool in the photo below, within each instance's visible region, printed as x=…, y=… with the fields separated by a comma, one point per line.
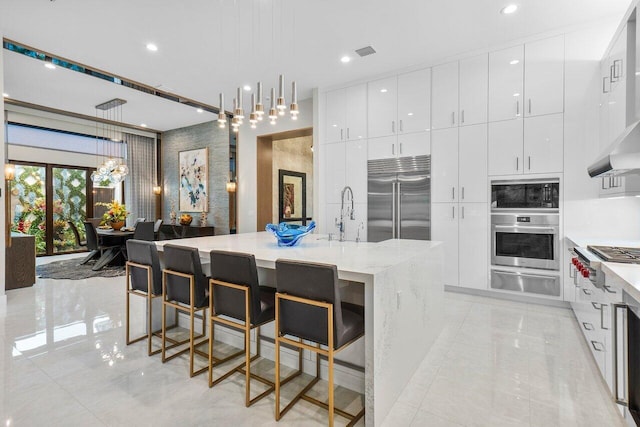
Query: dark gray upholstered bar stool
x=238, y=301
x=309, y=307
x=144, y=279
x=184, y=287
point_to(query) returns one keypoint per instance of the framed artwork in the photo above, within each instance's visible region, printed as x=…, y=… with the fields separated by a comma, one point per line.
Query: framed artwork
x=193, y=180
x=292, y=196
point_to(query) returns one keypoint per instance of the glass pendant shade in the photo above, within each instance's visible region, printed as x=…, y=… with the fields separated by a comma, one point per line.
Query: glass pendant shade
x=281, y=104
x=293, y=108
x=222, y=117
x=259, y=108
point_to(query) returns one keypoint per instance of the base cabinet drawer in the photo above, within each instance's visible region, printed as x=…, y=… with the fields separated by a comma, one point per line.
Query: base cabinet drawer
x=525, y=282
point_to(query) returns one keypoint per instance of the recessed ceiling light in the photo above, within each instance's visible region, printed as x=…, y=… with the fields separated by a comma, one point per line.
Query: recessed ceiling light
x=5, y=95
x=509, y=9
x=335, y=126
x=247, y=88
x=345, y=59
x=383, y=90
x=50, y=66
x=144, y=125
x=199, y=110
x=152, y=47
x=514, y=62
x=409, y=114
x=516, y=94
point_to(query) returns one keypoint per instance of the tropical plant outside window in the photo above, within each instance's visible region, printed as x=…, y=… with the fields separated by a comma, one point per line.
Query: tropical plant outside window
x=28, y=201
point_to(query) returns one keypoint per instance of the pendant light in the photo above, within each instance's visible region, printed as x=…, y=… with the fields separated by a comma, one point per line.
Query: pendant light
x=253, y=116
x=239, y=111
x=281, y=104
x=259, y=109
x=273, y=113
x=293, y=108
x=222, y=117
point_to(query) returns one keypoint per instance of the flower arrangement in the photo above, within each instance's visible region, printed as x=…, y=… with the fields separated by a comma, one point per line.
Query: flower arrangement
x=116, y=212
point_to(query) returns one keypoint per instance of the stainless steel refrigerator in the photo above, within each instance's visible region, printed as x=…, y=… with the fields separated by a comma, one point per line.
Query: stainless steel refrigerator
x=399, y=199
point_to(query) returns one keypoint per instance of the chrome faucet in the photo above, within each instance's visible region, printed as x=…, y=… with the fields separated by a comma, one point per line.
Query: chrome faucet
x=346, y=195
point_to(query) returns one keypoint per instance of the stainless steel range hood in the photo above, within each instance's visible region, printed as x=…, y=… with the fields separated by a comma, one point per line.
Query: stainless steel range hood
x=622, y=156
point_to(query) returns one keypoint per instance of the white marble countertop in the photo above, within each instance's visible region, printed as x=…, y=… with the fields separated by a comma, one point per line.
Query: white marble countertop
x=349, y=257
x=584, y=241
x=624, y=276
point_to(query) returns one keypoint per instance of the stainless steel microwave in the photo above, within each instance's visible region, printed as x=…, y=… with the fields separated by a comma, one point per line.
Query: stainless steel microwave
x=525, y=194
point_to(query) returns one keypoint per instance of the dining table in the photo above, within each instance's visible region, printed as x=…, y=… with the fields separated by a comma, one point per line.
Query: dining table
x=115, y=240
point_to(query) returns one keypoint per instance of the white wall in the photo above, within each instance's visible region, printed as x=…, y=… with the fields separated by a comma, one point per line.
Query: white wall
x=586, y=215
x=247, y=161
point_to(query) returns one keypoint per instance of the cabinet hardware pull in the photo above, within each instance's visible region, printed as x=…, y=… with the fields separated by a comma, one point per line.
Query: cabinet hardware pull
x=603, y=180
x=602, y=316
x=608, y=289
x=593, y=344
x=587, y=326
x=341, y=134
x=595, y=305
x=453, y=211
x=401, y=129
x=529, y=162
x=517, y=163
x=529, y=105
x=462, y=117
x=393, y=149
x=586, y=291
x=517, y=107
x=612, y=74
x=462, y=193
x=347, y=133
x=617, y=70
x=604, y=79
x=570, y=271
x=614, y=348
x=462, y=216
x=401, y=142
x=453, y=193
x=393, y=126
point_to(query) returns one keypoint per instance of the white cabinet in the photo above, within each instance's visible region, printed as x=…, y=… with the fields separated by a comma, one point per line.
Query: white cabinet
x=444, y=165
x=401, y=104
x=473, y=245
x=543, y=144
x=472, y=163
x=382, y=107
x=444, y=220
x=544, y=77
x=445, y=96
x=618, y=87
x=356, y=169
x=334, y=170
x=505, y=141
x=506, y=71
x=474, y=88
x=346, y=117
x=414, y=101
x=405, y=145
x=532, y=145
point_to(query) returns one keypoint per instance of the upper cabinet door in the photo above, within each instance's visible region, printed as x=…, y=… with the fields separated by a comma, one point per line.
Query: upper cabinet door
x=335, y=116
x=414, y=101
x=444, y=165
x=382, y=102
x=445, y=96
x=506, y=83
x=544, y=77
x=472, y=163
x=356, y=112
x=474, y=89
x=335, y=170
x=543, y=144
x=505, y=141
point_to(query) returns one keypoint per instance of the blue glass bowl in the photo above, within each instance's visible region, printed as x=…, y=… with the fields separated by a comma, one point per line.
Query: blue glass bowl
x=290, y=234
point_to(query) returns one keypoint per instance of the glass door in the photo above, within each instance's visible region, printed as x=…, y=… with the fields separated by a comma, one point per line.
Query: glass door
x=51, y=202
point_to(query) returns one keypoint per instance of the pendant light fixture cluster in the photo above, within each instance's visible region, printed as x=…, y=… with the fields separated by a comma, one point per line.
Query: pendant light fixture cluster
x=112, y=170
x=278, y=106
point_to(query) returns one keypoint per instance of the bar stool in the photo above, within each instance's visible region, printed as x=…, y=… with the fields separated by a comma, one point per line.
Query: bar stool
x=144, y=279
x=184, y=288
x=309, y=307
x=238, y=301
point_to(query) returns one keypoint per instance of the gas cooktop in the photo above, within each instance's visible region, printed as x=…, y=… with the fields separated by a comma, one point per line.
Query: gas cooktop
x=617, y=254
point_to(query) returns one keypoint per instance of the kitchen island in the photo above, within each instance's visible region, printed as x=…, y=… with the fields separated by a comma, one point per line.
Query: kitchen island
x=403, y=299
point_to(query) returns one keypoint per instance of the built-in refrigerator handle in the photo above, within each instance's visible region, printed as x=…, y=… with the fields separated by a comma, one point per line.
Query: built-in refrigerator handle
x=399, y=205
x=393, y=210
x=622, y=401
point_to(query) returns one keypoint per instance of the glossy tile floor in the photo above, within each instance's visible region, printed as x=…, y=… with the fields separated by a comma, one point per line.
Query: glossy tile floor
x=64, y=363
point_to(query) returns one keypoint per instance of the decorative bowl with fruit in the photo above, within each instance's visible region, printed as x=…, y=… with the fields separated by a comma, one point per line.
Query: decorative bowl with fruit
x=185, y=219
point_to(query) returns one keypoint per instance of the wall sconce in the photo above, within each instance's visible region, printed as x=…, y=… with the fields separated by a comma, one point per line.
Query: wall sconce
x=9, y=172
x=157, y=190
x=231, y=187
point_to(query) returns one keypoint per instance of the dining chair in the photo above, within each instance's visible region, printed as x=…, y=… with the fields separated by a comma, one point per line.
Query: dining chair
x=237, y=300
x=135, y=223
x=76, y=234
x=184, y=288
x=156, y=225
x=144, y=231
x=95, y=247
x=308, y=307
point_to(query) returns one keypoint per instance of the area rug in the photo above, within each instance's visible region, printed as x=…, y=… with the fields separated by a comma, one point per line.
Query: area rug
x=72, y=270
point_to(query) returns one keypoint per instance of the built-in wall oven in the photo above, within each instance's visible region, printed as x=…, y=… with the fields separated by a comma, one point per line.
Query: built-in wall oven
x=525, y=235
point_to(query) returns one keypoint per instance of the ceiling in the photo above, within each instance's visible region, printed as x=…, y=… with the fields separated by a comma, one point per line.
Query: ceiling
x=207, y=46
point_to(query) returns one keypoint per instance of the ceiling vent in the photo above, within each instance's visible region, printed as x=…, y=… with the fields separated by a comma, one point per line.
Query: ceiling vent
x=364, y=51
